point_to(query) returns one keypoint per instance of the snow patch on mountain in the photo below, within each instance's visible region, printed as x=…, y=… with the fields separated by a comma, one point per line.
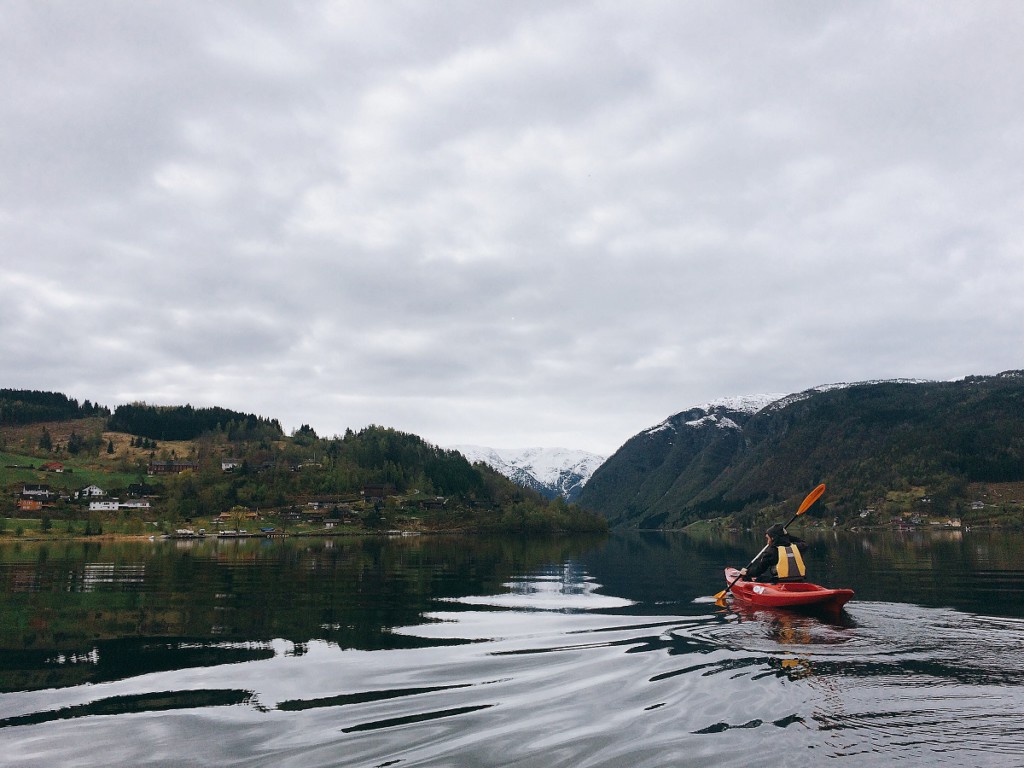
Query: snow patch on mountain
x=550, y=471
x=742, y=403
x=796, y=397
x=722, y=422
x=713, y=412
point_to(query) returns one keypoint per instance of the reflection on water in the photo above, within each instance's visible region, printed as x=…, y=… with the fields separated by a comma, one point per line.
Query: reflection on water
x=478, y=652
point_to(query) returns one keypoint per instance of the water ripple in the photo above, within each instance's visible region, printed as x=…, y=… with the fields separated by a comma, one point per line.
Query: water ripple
x=566, y=681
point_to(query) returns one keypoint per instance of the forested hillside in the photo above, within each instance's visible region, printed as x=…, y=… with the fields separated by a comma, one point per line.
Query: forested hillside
x=167, y=466
x=881, y=447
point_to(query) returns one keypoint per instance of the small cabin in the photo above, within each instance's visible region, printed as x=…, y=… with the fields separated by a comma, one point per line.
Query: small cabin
x=377, y=491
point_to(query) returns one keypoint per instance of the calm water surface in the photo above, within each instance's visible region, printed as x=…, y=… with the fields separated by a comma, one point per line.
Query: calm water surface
x=446, y=651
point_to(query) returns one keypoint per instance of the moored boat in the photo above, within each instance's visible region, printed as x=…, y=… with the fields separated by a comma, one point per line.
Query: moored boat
x=790, y=594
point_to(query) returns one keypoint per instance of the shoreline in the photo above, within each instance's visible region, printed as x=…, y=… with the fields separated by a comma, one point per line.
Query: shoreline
x=121, y=538
x=143, y=538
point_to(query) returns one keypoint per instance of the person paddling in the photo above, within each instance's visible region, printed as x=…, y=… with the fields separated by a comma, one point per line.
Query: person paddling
x=780, y=560
x=806, y=504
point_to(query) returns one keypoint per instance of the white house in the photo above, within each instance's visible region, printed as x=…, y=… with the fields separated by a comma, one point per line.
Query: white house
x=229, y=465
x=92, y=492
x=103, y=506
x=134, y=504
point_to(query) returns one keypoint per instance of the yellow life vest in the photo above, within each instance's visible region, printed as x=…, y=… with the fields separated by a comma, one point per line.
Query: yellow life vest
x=790, y=565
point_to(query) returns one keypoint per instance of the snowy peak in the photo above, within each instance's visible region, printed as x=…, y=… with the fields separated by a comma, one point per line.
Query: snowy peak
x=742, y=403
x=550, y=471
x=717, y=413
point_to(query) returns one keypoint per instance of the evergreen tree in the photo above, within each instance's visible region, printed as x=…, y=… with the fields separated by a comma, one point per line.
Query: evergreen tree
x=75, y=443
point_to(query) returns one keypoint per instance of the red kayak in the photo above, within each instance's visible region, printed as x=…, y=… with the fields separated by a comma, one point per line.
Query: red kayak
x=792, y=594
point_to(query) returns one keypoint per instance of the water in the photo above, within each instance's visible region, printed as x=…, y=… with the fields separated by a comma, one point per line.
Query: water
x=446, y=651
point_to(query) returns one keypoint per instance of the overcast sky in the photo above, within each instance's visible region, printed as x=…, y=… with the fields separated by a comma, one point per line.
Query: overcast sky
x=506, y=223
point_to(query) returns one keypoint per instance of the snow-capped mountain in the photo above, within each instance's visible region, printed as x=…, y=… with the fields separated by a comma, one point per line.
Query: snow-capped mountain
x=550, y=471
x=733, y=456
x=716, y=413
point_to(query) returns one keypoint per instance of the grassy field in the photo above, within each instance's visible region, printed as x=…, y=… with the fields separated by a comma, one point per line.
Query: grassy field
x=28, y=528
x=77, y=473
x=19, y=446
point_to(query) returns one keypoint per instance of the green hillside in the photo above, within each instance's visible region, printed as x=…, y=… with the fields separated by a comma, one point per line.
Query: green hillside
x=917, y=450
x=242, y=468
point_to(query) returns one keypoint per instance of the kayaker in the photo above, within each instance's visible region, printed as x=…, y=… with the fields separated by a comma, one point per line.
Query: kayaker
x=780, y=560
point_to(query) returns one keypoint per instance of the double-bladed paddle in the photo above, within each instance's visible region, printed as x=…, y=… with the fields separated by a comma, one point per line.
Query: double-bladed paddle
x=807, y=503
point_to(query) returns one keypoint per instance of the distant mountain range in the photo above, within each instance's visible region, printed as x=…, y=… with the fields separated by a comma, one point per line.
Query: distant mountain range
x=880, y=445
x=552, y=472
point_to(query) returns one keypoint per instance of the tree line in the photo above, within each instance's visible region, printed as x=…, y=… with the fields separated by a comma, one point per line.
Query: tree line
x=183, y=422
x=27, y=406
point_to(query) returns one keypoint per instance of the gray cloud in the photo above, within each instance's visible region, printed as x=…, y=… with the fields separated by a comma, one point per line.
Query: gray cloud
x=505, y=224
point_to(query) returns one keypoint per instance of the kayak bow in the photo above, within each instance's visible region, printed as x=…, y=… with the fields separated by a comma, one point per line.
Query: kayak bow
x=790, y=594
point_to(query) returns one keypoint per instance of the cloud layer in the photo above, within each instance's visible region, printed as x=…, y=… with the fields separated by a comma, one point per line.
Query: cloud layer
x=531, y=223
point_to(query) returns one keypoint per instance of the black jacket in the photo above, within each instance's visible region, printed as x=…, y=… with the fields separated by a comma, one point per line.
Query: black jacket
x=761, y=568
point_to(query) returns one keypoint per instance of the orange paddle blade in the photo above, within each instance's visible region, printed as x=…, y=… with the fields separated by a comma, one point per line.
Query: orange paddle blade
x=812, y=497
